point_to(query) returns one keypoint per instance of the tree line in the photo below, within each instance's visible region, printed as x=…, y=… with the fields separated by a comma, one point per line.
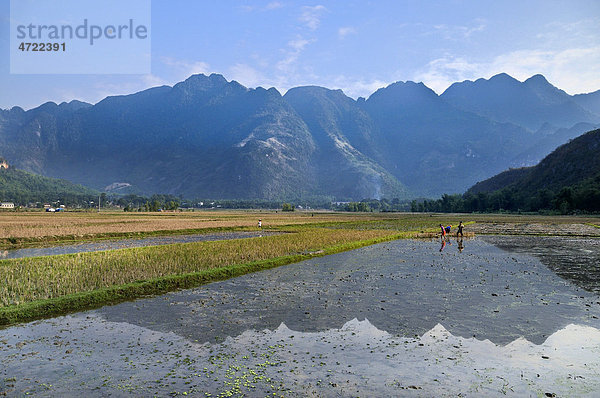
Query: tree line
x=583, y=197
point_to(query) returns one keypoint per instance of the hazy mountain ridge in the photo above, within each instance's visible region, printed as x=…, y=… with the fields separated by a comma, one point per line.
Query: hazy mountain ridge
x=209, y=137
x=434, y=147
x=567, y=166
x=548, y=139
x=589, y=101
x=529, y=104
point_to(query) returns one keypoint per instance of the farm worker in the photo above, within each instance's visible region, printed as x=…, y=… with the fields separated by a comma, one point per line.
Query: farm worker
x=460, y=229
x=448, y=228
x=443, y=230
x=259, y=223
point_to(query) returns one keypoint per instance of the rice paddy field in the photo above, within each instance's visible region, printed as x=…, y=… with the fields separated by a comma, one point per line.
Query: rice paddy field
x=39, y=227
x=312, y=304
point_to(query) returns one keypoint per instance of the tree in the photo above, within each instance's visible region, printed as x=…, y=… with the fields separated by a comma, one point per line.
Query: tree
x=413, y=206
x=358, y=206
x=564, y=200
x=287, y=207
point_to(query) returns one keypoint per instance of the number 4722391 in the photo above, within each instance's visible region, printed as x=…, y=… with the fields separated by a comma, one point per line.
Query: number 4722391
x=42, y=47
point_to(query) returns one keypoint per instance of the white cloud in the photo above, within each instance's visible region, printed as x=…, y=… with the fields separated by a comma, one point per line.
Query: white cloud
x=184, y=69
x=299, y=43
x=573, y=70
x=345, y=31
x=460, y=32
x=354, y=87
x=273, y=5
x=442, y=72
x=311, y=16
x=246, y=75
x=287, y=64
x=561, y=33
x=151, y=80
x=292, y=53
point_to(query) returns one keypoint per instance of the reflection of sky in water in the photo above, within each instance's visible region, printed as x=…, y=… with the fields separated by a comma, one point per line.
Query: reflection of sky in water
x=126, y=243
x=510, y=325
x=74, y=355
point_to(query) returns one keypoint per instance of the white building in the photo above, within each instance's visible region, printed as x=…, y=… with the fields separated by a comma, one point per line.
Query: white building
x=7, y=205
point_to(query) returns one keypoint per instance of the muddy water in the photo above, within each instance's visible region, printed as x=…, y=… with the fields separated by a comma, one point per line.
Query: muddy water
x=575, y=259
x=400, y=318
x=126, y=243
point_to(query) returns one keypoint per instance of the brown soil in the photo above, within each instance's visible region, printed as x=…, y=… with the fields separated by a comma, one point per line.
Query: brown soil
x=555, y=229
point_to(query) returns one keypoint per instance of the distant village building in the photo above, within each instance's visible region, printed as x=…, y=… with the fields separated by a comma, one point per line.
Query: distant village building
x=3, y=163
x=340, y=203
x=7, y=205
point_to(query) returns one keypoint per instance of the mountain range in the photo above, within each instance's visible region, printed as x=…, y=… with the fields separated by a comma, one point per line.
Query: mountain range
x=207, y=137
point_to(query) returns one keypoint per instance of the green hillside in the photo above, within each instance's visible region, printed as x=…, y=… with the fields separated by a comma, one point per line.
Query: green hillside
x=567, y=180
x=22, y=188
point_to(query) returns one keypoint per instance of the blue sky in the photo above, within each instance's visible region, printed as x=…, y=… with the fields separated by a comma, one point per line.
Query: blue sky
x=357, y=46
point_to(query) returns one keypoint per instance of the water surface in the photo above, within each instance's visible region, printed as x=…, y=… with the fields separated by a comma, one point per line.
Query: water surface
x=398, y=318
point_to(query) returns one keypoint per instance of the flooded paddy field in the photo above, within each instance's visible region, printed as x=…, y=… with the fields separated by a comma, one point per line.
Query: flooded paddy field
x=113, y=244
x=491, y=316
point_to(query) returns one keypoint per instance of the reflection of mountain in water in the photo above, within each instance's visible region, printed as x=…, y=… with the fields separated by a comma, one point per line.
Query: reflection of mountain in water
x=404, y=287
x=359, y=359
x=574, y=259
x=438, y=363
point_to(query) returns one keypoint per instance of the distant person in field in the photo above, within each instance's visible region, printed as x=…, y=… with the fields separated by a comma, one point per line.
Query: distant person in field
x=259, y=223
x=443, y=230
x=459, y=230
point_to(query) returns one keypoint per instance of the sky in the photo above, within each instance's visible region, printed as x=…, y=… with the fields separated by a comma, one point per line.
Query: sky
x=354, y=45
